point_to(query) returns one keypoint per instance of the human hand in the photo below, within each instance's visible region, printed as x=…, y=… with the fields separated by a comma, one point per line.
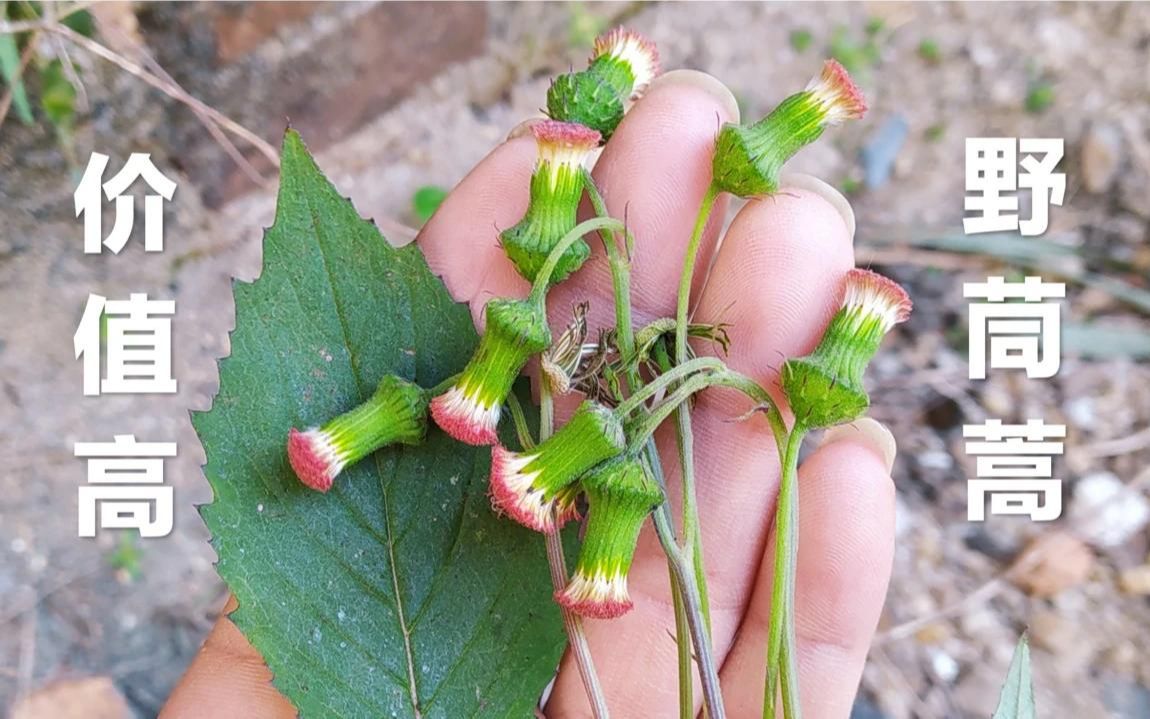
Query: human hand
x=775, y=280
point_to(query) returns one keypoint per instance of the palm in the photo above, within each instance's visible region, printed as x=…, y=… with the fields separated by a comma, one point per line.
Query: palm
x=774, y=281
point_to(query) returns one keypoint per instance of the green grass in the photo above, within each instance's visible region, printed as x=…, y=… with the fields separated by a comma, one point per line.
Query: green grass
x=929, y=51
x=801, y=39
x=1039, y=97
x=426, y=201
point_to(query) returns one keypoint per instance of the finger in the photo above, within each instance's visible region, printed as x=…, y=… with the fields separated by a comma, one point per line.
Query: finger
x=654, y=171
x=776, y=279
x=461, y=240
x=228, y=678
x=846, y=545
x=776, y=283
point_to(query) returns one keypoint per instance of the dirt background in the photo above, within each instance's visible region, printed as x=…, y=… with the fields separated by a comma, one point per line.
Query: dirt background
x=398, y=96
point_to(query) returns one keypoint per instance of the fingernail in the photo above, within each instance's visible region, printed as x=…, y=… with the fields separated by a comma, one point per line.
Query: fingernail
x=702, y=81
x=523, y=128
x=810, y=183
x=865, y=431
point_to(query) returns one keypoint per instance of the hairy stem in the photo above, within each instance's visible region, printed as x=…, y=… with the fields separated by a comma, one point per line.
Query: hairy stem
x=781, y=659
x=685, y=435
x=682, y=570
x=665, y=380
x=543, y=279
x=572, y=623
x=620, y=263
x=690, y=622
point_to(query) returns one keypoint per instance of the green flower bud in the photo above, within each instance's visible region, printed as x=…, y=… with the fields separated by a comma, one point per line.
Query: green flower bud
x=587, y=99
x=470, y=409
x=396, y=413
x=622, y=65
x=748, y=159
x=620, y=495
x=528, y=486
x=825, y=387
x=556, y=188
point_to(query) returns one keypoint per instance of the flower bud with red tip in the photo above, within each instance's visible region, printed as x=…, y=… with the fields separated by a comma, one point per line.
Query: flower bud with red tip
x=395, y=414
x=622, y=66
x=556, y=188
x=469, y=410
x=529, y=486
x=620, y=495
x=749, y=159
x=825, y=387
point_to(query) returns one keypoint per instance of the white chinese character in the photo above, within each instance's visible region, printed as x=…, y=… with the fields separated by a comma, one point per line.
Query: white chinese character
x=1015, y=465
x=1023, y=335
x=125, y=479
x=1047, y=186
x=89, y=203
x=139, y=345
x=991, y=170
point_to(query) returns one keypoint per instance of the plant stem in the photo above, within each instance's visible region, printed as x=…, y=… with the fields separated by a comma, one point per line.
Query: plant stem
x=682, y=569
x=620, y=274
x=781, y=657
x=689, y=622
x=543, y=279
x=683, y=643
x=664, y=380
x=685, y=435
x=572, y=623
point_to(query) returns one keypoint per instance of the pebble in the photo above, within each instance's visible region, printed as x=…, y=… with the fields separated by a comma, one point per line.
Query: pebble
x=1106, y=512
x=1136, y=580
x=1133, y=190
x=1100, y=157
x=1054, y=632
x=944, y=666
x=1051, y=564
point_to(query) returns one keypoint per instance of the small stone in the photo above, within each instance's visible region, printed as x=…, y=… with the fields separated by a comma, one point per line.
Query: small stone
x=933, y=633
x=1053, y=632
x=1100, y=156
x=1136, y=580
x=1133, y=189
x=1052, y=563
x=1106, y=512
x=90, y=698
x=944, y=666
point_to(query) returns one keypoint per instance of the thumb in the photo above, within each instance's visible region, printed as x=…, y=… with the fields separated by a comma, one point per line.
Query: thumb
x=228, y=678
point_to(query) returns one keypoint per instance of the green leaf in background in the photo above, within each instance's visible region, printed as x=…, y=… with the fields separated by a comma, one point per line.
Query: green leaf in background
x=426, y=201
x=398, y=593
x=1017, y=698
x=57, y=96
x=10, y=69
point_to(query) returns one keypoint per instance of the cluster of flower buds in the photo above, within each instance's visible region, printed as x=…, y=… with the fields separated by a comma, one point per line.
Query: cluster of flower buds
x=556, y=188
x=622, y=65
x=534, y=486
x=825, y=387
x=396, y=413
x=620, y=495
x=748, y=159
x=469, y=410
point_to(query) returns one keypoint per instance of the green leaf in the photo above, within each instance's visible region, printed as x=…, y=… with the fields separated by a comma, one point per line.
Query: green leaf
x=57, y=96
x=398, y=593
x=10, y=69
x=427, y=200
x=1017, y=698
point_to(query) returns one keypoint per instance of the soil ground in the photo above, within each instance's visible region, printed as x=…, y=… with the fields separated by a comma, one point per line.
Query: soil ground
x=137, y=613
